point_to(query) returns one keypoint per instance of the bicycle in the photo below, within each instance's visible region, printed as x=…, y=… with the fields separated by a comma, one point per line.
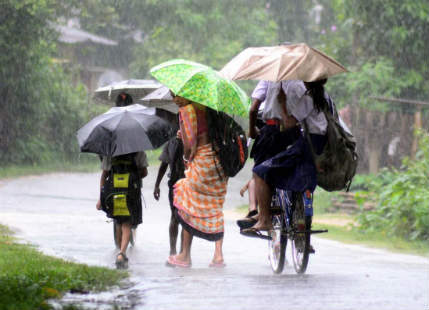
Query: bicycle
x=292, y=215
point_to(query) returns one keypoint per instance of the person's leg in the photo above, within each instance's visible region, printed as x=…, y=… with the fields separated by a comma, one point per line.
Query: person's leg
x=173, y=230
x=118, y=234
x=252, y=195
x=263, y=195
x=185, y=254
x=244, y=189
x=252, y=215
x=174, y=224
x=218, y=254
x=181, y=241
x=126, y=232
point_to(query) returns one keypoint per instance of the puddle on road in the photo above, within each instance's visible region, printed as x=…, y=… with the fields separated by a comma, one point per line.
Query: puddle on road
x=124, y=298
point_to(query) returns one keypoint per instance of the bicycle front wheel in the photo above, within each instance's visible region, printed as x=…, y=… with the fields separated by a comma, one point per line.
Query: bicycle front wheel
x=277, y=244
x=300, y=238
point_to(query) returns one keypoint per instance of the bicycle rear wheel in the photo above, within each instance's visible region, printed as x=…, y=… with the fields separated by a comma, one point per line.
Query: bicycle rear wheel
x=301, y=236
x=277, y=245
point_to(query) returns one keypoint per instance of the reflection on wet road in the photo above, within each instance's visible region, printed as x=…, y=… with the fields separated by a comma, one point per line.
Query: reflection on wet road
x=57, y=212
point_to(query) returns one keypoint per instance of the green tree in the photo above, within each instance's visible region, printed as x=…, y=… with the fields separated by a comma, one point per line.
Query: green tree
x=211, y=32
x=401, y=198
x=390, y=31
x=39, y=107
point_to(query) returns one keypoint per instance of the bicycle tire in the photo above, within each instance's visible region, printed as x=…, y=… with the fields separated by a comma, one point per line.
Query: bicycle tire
x=300, y=242
x=277, y=245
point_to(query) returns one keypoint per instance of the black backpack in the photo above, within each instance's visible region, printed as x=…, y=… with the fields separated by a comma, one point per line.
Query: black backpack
x=122, y=188
x=338, y=161
x=228, y=140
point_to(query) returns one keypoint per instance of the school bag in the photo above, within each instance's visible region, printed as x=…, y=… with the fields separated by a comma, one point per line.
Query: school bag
x=122, y=189
x=338, y=161
x=229, y=142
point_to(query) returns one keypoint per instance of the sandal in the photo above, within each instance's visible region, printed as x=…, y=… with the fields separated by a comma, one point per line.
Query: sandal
x=173, y=262
x=123, y=262
x=252, y=213
x=248, y=221
x=254, y=233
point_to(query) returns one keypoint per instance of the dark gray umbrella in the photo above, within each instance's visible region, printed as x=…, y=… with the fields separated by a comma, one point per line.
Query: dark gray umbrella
x=123, y=130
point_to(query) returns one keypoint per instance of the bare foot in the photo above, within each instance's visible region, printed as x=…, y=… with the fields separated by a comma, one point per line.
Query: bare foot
x=182, y=258
x=217, y=259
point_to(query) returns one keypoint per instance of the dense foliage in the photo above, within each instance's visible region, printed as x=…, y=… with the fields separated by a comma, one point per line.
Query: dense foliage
x=40, y=108
x=383, y=43
x=401, y=198
x=206, y=31
x=368, y=33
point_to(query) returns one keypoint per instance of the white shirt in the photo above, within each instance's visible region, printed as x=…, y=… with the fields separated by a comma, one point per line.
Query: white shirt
x=301, y=106
x=298, y=104
x=267, y=92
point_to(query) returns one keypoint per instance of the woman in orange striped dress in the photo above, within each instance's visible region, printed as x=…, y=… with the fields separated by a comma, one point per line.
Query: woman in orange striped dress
x=199, y=197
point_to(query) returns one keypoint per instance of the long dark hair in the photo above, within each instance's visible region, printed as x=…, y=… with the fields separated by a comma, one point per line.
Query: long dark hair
x=214, y=134
x=212, y=127
x=316, y=90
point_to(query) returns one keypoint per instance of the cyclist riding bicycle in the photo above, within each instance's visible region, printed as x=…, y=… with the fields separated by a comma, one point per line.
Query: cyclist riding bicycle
x=282, y=156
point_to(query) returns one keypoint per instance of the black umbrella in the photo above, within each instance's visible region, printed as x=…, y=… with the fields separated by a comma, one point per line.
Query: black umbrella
x=123, y=130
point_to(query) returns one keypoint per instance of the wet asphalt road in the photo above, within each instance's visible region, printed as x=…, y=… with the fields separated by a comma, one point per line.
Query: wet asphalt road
x=57, y=213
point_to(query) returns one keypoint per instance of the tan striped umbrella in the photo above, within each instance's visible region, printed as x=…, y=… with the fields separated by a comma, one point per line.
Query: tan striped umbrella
x=283, y=62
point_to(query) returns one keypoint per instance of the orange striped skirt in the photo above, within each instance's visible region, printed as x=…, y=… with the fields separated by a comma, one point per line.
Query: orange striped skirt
x=199, y=197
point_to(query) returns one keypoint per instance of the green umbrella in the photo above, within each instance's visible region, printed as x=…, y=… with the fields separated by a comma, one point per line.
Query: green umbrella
x=202, y=84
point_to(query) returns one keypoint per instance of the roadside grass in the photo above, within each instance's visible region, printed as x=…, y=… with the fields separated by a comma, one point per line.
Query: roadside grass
x=322, y=200
x=86, y=163
x=352, y=235
x=342, y=227
x=29, y=278
x=242, y=209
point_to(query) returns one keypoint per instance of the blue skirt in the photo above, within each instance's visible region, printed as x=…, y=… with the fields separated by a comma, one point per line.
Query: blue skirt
x=271, y=141
x=292, y=169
